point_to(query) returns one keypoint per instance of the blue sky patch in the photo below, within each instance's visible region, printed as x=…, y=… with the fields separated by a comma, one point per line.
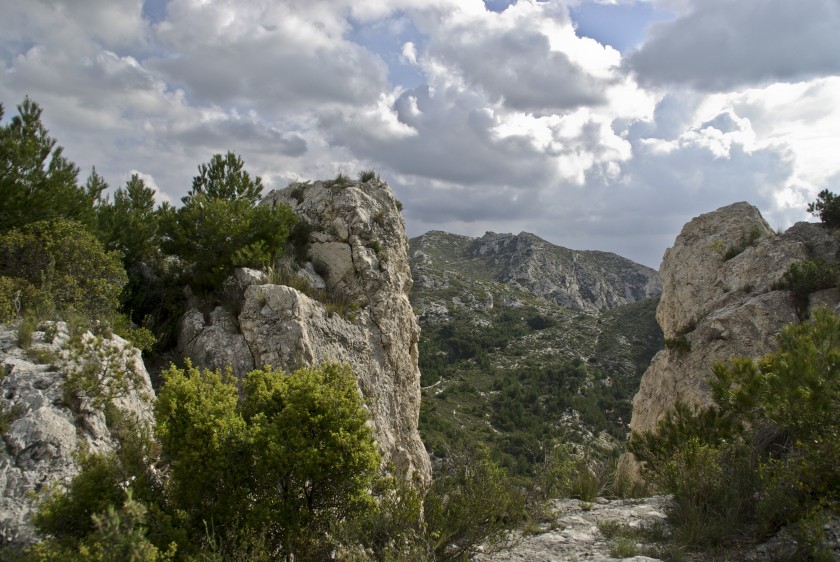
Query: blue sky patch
x=622, y=26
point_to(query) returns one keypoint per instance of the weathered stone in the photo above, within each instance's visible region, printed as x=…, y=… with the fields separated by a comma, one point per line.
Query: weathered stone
x=719, y=295
x=217, y=344
x=573, y=533
x=44, y=431
x=358, y=247
x=579, y=280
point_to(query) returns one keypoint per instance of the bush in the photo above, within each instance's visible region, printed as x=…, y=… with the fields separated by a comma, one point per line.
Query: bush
x=827, y=207
x=766, y=454
x=285, y=464
x=213, y=236
x=806, y=277
x=368, y=175
x=58, y=264
x=567, y=474
x=101, y=369
x=471, y=503
x=748, y=238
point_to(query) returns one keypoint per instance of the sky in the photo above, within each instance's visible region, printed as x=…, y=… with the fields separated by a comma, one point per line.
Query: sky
x=594, y=124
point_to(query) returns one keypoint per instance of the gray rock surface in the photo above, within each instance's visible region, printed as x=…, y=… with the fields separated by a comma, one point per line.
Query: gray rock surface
x=573, y=532
x=357, y=250
x=718, y=295
x=41, y=431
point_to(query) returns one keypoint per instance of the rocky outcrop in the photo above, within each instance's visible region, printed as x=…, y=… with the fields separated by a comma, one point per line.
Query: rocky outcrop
x=42, y=427
x=576, y=532
x=579, y=280
x=719, y=300
x=356, y=250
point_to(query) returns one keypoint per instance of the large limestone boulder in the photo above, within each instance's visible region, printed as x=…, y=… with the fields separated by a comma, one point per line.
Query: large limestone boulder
x=43, y=427
x=356, y=250
x=719, y=300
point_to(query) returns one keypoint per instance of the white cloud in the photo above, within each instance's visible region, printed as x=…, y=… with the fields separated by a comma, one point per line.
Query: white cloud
x=272, y=56
x=409, y=52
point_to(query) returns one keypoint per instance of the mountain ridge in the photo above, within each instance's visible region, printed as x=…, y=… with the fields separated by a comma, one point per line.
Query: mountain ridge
x=584, y=280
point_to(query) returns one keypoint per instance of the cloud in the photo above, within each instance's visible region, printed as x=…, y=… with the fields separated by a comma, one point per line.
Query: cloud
x=719, y=45
x=271, y=56
x=632, y=205
x=481, y=119
x=526, y=57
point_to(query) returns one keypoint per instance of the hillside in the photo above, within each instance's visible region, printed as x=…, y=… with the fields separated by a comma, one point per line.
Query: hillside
x=525, y=343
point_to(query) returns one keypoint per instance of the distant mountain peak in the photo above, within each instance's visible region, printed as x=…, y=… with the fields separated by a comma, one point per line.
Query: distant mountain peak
x=584, y=280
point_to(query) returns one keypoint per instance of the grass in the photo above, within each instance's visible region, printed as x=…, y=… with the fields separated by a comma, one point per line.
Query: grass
x=368, y=175
x=626, y=541
x=341, y=180
x=7, y=417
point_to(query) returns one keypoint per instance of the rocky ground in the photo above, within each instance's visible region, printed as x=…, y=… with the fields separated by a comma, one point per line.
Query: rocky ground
x=600, y=531
x=635, y=530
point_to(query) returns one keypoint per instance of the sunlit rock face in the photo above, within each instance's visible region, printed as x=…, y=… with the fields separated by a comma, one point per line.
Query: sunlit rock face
x=719, y=301
x=355, y=258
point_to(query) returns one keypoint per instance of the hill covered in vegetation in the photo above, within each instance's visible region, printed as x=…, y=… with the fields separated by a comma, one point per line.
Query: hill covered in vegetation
x=526, y=345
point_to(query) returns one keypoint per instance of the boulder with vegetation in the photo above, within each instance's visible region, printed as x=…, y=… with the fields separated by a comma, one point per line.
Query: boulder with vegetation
x=730, y=284
x=341, y=294
x=61, y=395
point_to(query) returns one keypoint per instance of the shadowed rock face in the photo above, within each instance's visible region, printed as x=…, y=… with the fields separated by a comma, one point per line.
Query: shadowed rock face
x=357, y=245
x=44, y=430
x=718, y=295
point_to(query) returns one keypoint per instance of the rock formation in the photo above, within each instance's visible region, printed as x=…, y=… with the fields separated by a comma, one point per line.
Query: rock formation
x=719, y=300
x=355, y=241
x=579, y=280
x=42, y=429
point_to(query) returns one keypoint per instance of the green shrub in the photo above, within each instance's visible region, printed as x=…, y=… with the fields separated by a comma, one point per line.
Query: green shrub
x=471, y=503
x=748, y=238
x=8, y=416
x=368, y=175
x=101, y=369
x=304, y=437
x=214, y=235
x=806, y=277
x=767, y=453
x=827, y=207
x=67, y=264
x=341, y=180
x=680, y=343
x=569, y=474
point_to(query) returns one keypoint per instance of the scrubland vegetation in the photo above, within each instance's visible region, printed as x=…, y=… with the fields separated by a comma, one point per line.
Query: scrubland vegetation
x=284, y=466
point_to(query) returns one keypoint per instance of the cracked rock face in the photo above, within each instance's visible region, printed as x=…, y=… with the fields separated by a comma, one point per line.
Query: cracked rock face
x=41, y=431
x=718, y=295
x=357, y=251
